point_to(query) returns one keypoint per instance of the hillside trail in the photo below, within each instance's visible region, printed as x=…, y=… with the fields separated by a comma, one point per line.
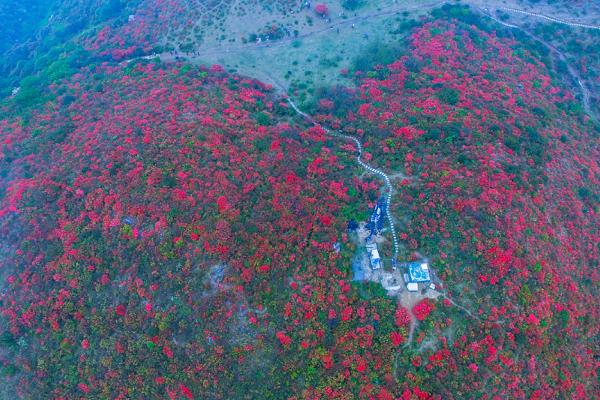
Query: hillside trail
x=364, y=165
x=585, y=93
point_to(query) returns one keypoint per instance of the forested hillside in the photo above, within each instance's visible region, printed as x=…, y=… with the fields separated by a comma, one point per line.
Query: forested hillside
x=179, y=231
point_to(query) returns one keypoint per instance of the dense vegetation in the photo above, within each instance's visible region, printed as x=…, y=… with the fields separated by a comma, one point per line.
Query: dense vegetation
x=44, y=41
x=122, y=198
x=504, y=195
x=168, y=231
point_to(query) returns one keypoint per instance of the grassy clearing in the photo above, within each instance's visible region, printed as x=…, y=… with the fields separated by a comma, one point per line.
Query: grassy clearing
x=317, y=60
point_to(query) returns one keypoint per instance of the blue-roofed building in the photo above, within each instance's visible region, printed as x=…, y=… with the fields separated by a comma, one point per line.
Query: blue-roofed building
x=418, y=272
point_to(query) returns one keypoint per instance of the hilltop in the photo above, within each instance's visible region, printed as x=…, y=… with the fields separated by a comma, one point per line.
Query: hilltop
x=176, y=229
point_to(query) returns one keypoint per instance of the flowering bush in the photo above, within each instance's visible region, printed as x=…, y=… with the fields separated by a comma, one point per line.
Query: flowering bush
x=321, y=9
x=422, y=309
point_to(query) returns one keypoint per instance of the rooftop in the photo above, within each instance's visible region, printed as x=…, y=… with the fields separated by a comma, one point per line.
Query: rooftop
x=418, y=272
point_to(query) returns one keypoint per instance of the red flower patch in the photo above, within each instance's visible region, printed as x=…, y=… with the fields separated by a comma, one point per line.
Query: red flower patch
x=422, y=309
x=121, y=310
x=284, y=339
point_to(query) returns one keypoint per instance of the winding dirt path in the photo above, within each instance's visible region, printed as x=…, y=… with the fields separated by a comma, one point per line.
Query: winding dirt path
x=585, y=92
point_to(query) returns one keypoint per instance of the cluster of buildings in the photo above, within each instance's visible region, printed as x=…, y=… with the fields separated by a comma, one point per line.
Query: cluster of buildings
x=416, y=274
